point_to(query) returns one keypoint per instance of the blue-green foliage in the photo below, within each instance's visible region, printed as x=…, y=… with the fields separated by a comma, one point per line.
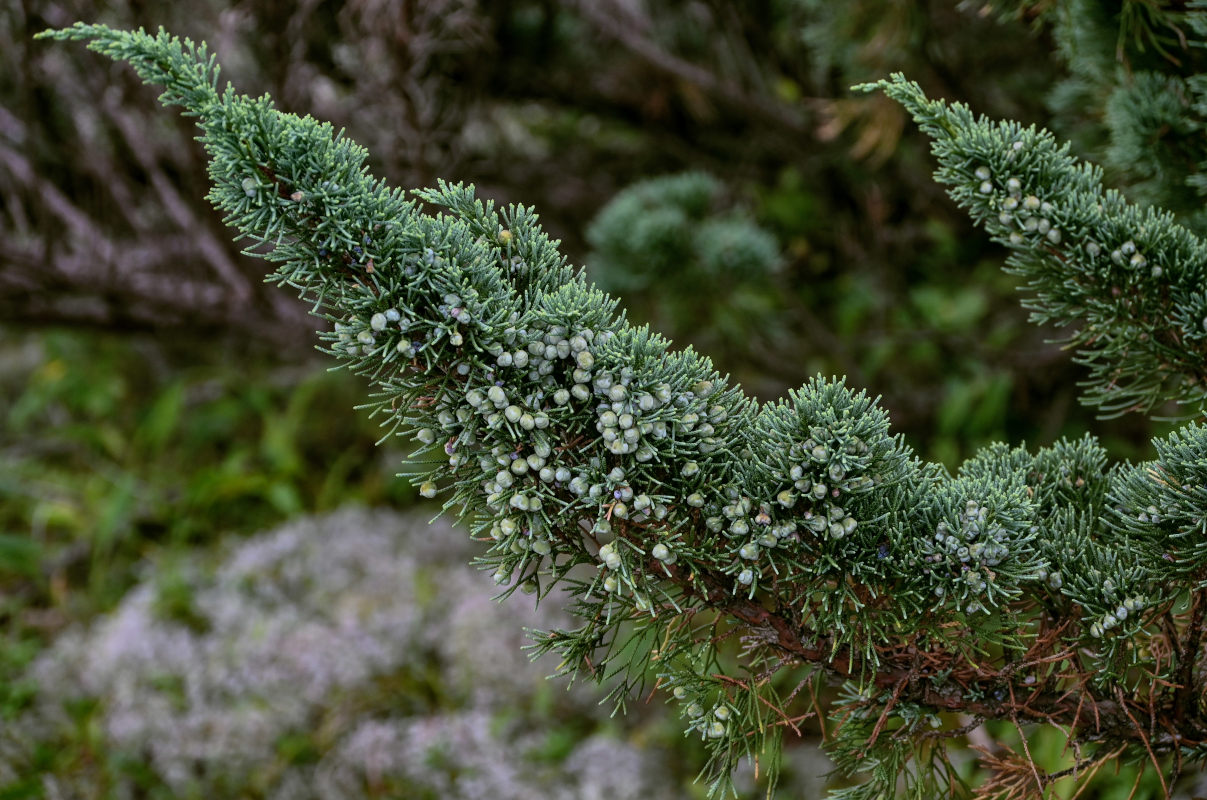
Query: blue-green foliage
x=569, y=438
x=1128, y=276
x=684, y=256
x=665, y=230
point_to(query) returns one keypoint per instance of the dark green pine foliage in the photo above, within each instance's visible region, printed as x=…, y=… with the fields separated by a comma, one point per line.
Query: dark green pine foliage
x=682, y=516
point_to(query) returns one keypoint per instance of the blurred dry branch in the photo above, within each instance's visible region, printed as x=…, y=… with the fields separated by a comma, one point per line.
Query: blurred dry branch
x=89, y=245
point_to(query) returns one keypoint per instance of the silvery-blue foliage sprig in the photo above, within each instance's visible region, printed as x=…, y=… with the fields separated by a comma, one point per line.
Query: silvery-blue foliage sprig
x=741, y=558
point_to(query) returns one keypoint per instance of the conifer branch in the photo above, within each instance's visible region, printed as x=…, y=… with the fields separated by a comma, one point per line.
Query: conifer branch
x=587, y=453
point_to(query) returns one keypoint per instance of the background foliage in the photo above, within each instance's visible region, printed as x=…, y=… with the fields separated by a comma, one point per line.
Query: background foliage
x=178, y=427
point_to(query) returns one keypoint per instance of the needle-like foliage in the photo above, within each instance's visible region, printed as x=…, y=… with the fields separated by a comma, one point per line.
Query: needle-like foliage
x=738, y=557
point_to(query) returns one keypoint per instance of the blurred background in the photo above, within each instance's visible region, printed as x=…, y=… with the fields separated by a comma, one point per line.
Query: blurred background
x=177, y=462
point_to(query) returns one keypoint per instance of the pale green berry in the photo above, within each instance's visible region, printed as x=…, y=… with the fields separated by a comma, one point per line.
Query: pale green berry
x=541, y=446
x=378, y=322
x=366, y=338
x=497, y=396
x=610, y=584
x=561, y=397
x=502, y=576
x=689, y=469
x=746, y=576
x=542, y=547
x=721, y=713
x=513, y=413
x=426, y=435
x=660, y=552
x=695, y=710
x=585, y=360
x=749, y=551
x=716, y=729
x=249, y=187
x=680, y=692
x=428, y=489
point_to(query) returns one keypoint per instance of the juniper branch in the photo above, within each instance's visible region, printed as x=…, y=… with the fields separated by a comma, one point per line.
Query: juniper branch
x=677, y=512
